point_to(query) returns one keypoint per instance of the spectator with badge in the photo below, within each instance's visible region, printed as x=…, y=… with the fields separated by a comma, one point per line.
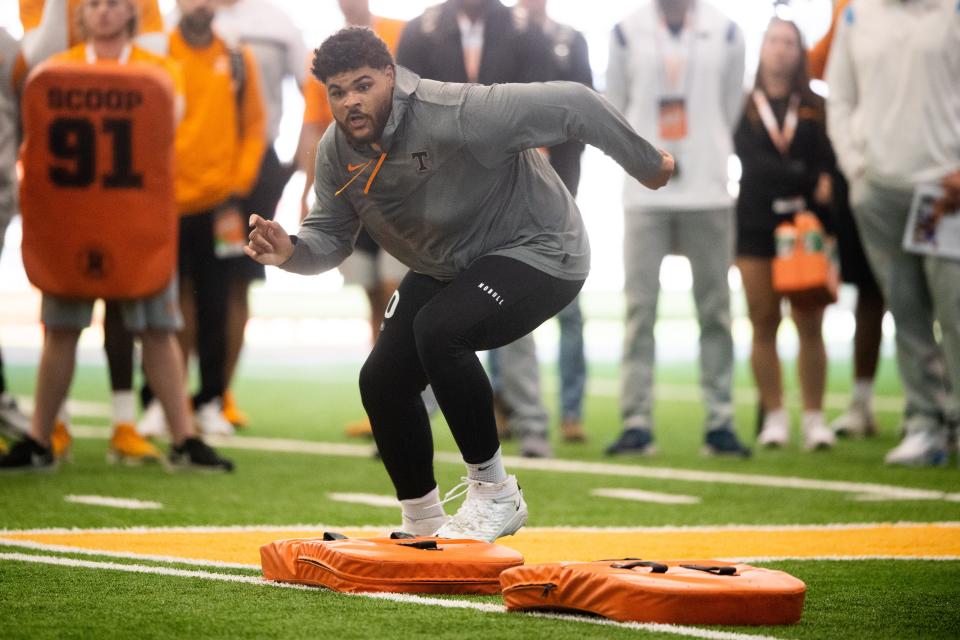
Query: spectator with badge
x=782, y=144
x=676, y=73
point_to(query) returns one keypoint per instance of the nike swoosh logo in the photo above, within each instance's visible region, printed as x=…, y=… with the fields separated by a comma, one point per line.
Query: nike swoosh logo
x=354, y=167
x=484, y=468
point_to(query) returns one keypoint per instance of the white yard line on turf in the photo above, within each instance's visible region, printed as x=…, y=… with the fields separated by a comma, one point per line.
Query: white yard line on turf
x=286, y=445
x=691, y=632
x=645, y=496
x=117, y=503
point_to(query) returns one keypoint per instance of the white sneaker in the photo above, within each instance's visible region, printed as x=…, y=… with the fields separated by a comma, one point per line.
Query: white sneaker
x=13, y=422
x=816, y=434
x=424, y=526
x=210, y=420
x=775, y=432
x=857, y=422
x=920, y=448
x=490, y=511
x=153, y=422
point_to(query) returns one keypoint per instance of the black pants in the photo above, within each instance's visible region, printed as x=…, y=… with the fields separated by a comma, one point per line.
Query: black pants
x=430, y=334
x=209, y=277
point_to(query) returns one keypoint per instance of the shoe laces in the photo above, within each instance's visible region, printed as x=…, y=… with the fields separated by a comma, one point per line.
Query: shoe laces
x=478, y=514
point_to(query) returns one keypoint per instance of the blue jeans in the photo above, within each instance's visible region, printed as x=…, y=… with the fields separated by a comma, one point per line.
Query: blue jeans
x=572, y=362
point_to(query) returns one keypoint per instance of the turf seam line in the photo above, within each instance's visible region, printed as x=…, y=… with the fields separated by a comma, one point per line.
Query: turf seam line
x=693, y=632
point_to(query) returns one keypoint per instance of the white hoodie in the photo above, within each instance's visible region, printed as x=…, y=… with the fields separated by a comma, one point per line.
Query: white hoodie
x=894, y=75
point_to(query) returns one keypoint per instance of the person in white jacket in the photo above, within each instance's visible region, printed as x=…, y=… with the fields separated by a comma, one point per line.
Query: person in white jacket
x=676, y=73
x=894, y=118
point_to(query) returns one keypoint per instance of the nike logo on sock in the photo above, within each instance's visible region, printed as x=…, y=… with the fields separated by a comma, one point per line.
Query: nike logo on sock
x=484, y=468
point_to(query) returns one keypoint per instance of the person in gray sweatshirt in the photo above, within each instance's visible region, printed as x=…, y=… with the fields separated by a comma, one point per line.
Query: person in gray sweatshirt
x=447, y=178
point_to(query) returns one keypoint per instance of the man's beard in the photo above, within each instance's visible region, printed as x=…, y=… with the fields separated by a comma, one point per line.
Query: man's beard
x=378, y=122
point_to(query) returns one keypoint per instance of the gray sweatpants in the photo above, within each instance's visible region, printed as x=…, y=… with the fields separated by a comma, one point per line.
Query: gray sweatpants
x=918, y=290
x=519, y=386
x=706, y=239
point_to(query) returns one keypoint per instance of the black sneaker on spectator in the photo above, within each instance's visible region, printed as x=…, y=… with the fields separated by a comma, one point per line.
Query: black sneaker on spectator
x=194, y=453
x=13, y=422
x=723, y=442
x=28, y=455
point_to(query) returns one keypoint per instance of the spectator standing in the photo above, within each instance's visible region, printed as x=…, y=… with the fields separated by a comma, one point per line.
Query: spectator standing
x=219, y=149
x=482, y=41
x=278, y=48
x=892, y=74
x=858, y=419
x=571, y=61
x=676, y=72
x=787, y=161
x=13, y=423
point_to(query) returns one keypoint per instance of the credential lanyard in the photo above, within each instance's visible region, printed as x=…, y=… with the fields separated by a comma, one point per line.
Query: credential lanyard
x=781, y=138
x=673, y=69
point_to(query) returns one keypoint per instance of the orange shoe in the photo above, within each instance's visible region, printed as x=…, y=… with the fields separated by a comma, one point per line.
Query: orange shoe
x=128, y=446
x=572, y=431
x=232, y=413
x=360, y=429
x=61, y=441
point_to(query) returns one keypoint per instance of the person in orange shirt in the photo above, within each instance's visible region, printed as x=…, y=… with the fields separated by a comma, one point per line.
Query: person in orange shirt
x=219, y=147
x=375, y=270
x=109, y=26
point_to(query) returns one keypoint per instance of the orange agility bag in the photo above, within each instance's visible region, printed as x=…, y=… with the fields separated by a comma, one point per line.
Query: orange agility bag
x=99, y=217
x=805, y=267
x=400, y=563
x=674, y=592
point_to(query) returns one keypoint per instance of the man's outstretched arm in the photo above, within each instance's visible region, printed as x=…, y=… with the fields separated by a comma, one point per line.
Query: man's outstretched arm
x=502, y=120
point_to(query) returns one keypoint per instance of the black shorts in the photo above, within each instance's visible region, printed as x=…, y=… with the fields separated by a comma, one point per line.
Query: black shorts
x=755, y=243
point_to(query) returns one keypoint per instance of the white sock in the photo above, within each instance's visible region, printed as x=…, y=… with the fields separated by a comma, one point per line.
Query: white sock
x=777, y=415
x=863, y=393
x=490, y=471
x=124, y=407
x=424, y=507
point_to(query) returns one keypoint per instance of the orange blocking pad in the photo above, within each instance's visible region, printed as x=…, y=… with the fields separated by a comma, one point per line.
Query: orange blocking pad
x=97, y=195
x=395, y=564
x=670, y=592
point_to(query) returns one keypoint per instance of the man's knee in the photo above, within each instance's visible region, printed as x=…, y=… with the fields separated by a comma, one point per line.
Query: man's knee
x=435, y=339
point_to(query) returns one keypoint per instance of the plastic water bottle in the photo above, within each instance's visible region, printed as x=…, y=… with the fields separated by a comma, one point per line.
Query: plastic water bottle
x=785, y=237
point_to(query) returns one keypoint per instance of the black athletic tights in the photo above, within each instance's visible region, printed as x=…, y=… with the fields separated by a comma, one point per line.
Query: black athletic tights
x=431, y=332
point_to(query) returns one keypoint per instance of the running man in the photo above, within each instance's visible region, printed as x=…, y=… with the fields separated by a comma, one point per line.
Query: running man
x=447, y=178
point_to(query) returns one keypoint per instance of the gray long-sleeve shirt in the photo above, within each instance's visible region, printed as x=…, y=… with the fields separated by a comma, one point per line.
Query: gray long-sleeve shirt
x=462, y=178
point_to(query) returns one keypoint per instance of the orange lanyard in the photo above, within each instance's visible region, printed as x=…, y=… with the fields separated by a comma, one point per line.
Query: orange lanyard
x=781, y=138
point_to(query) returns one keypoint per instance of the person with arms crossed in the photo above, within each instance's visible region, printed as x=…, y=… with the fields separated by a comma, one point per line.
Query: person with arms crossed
x=447, y=178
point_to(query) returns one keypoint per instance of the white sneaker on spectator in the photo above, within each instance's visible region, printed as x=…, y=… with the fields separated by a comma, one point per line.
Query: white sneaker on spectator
x=210, y=420
x=857, y=422
x=816, y=434
x=153, y=422
x=920, y=448
x=775, y=432
x=13, y=423
x=490, y=511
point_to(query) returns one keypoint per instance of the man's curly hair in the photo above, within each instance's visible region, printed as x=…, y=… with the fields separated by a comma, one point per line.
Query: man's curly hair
x=349, y=49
